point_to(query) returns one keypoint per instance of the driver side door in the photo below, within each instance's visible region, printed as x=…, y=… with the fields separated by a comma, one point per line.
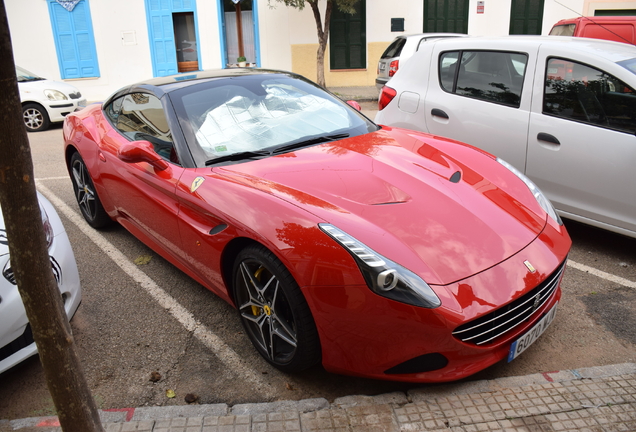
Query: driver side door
x=144, y=195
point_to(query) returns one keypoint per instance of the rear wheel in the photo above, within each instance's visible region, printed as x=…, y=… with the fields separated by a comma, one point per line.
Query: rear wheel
x=274, y=311
x=86, y=195
x=35, y=117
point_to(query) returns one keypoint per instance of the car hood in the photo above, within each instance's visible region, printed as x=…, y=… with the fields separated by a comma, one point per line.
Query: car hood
x=35, y=89
x=440, y=208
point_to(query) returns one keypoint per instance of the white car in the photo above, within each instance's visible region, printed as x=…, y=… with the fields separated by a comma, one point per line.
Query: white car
x=400, y=50
x=45, y=101
x=561, y=110
x=16, y=338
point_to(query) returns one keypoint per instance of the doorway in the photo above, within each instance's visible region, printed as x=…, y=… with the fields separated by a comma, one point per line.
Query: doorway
x=172, y=29
x=239, y=41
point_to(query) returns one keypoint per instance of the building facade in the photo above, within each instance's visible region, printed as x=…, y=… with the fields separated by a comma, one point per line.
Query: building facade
x=101, y=45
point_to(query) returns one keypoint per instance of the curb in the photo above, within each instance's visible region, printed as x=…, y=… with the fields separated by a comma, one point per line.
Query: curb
x=125, y=415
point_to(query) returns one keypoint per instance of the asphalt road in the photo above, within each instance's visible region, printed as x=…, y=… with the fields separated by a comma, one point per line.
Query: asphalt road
x=136, y=319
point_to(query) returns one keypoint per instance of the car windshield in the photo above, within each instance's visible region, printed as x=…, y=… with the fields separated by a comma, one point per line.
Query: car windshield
x=258, y=115
x=630, y=65
x=24, y=75
x=563, y=30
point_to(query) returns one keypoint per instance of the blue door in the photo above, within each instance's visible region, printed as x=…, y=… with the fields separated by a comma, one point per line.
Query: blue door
x=74, y=40
x=167, y=18
x=161, y=33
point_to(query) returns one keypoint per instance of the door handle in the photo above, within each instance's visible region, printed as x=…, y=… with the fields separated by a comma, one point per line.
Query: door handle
x=542, y=136
x=439, y=113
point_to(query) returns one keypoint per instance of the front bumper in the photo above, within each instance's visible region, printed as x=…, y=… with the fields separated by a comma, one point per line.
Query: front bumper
x=57, y=110
x=367, y=335
x=15, y=341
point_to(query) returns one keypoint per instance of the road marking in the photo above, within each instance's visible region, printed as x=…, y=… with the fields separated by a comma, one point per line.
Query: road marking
x=226, y=354
x=598, y=273
x=52, y=178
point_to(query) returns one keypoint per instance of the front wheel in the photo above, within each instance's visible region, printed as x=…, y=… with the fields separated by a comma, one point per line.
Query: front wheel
x=86, y=195
x=35, y=117
x=274, y=311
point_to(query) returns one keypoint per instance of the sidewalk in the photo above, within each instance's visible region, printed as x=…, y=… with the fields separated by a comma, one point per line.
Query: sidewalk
x=358, y=94
x=586, y=400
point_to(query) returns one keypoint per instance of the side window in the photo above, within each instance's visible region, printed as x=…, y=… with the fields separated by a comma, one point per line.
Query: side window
x=492, y=76
x=141, y=117
x=578, y=92
x=113, y=109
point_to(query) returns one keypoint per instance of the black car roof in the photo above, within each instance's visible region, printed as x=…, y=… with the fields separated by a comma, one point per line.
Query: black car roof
x=162, y=85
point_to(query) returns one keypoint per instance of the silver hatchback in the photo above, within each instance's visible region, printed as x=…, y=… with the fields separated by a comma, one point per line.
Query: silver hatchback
x=400, y=50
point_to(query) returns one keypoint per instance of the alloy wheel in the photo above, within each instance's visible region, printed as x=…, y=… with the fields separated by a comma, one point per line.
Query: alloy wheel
x=266, y=312
x=84, y=191
x=33, y=118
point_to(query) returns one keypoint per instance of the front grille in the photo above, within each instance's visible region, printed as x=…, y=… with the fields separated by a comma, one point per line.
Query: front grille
x=75, y=95
x=23, y=341
x=8, y=274
x=489, y=327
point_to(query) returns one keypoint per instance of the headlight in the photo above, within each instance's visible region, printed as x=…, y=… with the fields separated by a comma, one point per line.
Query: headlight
x=543, y=201
x=383, y=276
x=54, y=95
x=48, y=229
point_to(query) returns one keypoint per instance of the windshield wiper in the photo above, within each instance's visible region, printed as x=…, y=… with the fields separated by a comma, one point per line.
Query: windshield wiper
x=238, y=156
x=316, y=140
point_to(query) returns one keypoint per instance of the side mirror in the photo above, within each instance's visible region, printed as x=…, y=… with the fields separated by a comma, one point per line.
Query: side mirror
x=141, y=151
x=355, y=104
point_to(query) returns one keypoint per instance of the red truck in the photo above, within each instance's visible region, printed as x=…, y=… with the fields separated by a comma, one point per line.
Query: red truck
x=614, y=28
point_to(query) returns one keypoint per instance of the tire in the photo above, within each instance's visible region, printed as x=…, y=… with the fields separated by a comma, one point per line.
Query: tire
x=35, y=117
x=274, y=311
x=86, y=195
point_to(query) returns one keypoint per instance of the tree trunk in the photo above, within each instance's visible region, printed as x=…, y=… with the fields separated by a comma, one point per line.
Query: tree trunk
x=323, y=37
x=30, y=259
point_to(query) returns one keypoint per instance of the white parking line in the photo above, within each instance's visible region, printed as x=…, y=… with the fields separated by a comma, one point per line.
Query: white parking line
x=598, y=273
x=226, y=354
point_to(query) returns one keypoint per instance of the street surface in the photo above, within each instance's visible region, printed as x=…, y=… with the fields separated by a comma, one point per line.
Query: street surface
x=141, y=315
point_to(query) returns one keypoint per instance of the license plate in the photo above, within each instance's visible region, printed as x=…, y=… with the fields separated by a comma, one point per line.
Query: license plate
x=521, y=344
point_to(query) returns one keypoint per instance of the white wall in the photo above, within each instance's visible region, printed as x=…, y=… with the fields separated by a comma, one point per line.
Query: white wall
x=379, y=16
x=33, y=45
x=495, y=21
x=275, y=33
x=209, y=35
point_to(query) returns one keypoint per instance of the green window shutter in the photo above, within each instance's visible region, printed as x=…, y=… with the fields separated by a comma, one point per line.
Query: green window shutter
x=526, y=17
x=348, y=38
x=446, y=16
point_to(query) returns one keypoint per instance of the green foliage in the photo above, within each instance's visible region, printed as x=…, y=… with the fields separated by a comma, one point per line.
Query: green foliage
x=346, y=6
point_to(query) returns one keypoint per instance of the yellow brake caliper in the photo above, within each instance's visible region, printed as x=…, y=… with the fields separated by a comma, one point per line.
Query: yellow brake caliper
x=256, y=311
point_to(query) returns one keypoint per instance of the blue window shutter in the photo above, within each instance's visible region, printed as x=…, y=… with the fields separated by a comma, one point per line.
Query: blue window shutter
x=162, y=46
x=74, y=40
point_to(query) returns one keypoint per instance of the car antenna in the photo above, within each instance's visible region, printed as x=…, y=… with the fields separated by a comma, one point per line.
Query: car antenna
x=600, y=25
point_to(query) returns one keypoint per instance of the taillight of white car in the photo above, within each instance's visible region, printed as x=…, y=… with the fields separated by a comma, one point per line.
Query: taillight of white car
x=386, y=96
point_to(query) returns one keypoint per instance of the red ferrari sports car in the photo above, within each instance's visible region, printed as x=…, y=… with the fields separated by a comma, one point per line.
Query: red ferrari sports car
x=378, y=251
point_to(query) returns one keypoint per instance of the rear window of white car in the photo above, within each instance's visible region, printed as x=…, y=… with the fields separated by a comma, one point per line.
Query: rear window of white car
x=579, y=92
x=394, y=49
x=493, y=76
